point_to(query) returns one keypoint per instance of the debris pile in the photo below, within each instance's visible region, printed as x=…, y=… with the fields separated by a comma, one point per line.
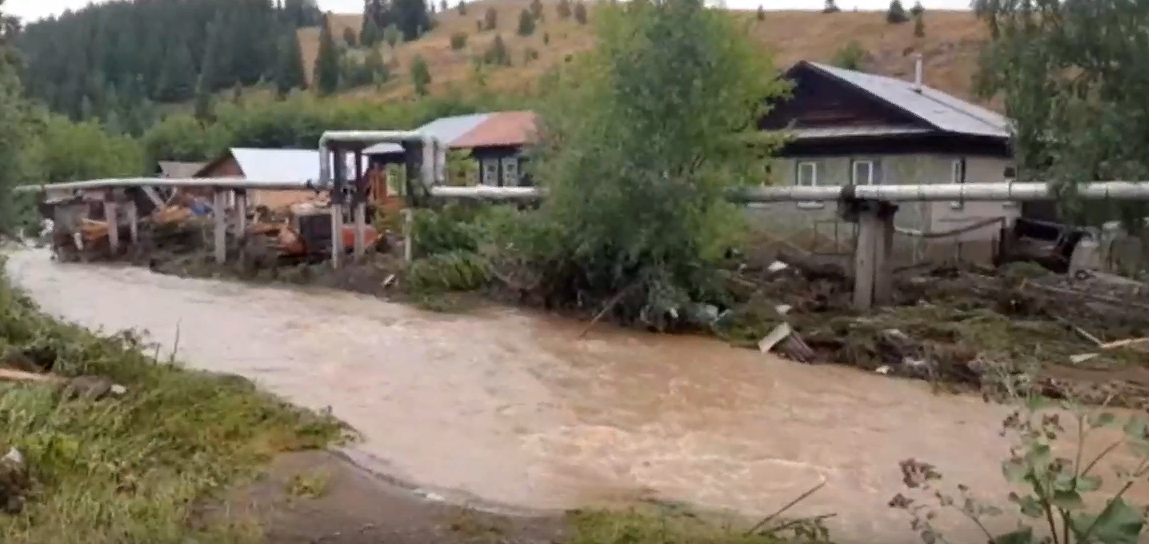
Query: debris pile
x=1012, y=327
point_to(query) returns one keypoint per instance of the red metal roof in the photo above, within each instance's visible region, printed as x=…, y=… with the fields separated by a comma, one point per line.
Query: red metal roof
x=504, y=128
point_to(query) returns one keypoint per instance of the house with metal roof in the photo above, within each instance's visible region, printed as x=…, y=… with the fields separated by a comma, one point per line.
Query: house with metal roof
x=268, y=165
x=849, y=127
x=497, y=140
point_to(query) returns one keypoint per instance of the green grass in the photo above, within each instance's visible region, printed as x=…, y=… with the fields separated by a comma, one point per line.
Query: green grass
x=659, y=526
x=130, y=469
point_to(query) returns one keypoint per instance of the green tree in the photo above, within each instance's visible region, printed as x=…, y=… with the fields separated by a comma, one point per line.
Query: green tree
x=377, y=67
x=580, y=12
x=412, y=17
x=392, y=35
x=640, y=155
x=204, y=103
x=326, y=73
x=526, y=23
x=564, y=9
x=350, y=38
x=180, y=137
x=896, y=15
x=289, y=69
x=15, y=132
x=370, y=35
x=462, y=7
x=1072, y=81
x=537, y=10
x=497, y=54
x=852, y=56
x=420, y=75
x=491, y=19
x=831, y=7
x=761, y=14
x=919, y=20
x=66, y=151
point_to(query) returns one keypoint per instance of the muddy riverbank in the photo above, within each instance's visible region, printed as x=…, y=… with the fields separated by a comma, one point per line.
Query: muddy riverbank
x=501, y=408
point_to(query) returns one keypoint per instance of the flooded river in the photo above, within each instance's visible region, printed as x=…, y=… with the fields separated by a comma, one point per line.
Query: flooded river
x=509, y=408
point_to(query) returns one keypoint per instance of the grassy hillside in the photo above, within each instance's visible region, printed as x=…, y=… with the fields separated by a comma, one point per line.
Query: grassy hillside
x=950, y=48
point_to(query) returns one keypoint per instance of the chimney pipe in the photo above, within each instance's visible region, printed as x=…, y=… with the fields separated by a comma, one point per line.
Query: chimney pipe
x=918, y=73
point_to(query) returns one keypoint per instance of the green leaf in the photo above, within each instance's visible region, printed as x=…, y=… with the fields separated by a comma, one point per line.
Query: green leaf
x=1067, y=499
x=1105, y=419
x=1037, y=403
x=1086, y=484
x=1117, y=524
x=1135, y=427
x=1029, y=506
x=1039, y=455
x=1020, y=536
x=1139, y=447
x=1014, y=471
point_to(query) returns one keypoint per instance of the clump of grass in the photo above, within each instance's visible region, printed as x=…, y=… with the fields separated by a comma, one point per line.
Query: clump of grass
x=657, y=526
x=458, y=270
x=129, y=469
x=309, y=486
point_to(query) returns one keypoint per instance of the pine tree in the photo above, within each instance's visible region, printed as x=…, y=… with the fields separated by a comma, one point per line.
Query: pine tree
x=497, y=53
x=897, y=13
x=443, y=6
x=392, y=35
x=526, y=23
x=919, y=20
x=412, y=17
x=580, y=12
x=537, y=10
x=564, y=9
x=420, y=75
x=177, y=78
x=831, y=7
x=326, y=73
x=204, y=107
x=491, y=19
x=377, y=67
x=462, y=7
x=761, y=13
x=289, y=69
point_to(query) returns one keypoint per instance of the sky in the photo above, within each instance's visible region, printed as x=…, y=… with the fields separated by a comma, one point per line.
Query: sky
x=30, y=10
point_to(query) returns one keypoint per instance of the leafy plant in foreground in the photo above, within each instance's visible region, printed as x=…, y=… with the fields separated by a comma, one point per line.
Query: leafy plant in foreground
x=1056, y=487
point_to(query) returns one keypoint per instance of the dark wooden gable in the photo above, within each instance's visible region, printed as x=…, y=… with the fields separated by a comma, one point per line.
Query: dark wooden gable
x=820, y=100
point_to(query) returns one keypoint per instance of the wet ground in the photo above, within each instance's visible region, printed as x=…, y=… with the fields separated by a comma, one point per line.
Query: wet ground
x=510, y=411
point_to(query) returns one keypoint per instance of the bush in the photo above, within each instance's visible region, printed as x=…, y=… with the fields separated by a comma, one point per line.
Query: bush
x=458, y=41
x=851, y=57
x=350, y=37
x=420, y=76
x=526, y=23
x=896, y=15
x=761, y=14
x=491, y=19
x=564, y=9
x=458, y=270
x=919, y=26
x=546, y=38
x=530, y=54
x=580, y=12
x=462, y=7
x=497, y=53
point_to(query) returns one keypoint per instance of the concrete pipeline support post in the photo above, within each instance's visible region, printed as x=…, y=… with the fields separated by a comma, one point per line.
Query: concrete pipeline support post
x=873, y=261
x=219, y=215
x=111, y=216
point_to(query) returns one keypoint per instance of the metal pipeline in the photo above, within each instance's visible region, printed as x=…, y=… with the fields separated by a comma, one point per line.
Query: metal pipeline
x=223, y=183
x=1001, y=191
x=367, y=137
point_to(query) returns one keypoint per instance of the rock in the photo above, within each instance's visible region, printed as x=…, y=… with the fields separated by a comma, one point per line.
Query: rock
x=91, y=388
x=14, y=482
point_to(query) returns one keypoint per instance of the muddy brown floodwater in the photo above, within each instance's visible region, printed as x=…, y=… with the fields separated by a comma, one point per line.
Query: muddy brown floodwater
x=506, y=409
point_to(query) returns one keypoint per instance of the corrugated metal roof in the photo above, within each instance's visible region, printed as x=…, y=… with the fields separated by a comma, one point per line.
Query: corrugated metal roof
x=180, y=169
x=446, y=129
x=848, y=132
x=932, y=106
x=279, y=164
x=511, y=128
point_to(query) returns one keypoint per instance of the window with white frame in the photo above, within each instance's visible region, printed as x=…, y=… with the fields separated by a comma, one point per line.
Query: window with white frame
x=807, y=174
x=957, y=175
x=864, y=172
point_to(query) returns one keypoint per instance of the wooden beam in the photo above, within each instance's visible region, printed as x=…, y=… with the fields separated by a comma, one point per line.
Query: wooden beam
x=133, y=222
x=360, y=229
x=112, y=218
x=883, y=260
x=864, y=260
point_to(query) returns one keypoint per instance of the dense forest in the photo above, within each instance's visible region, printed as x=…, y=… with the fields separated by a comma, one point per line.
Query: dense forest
x=116, y=59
